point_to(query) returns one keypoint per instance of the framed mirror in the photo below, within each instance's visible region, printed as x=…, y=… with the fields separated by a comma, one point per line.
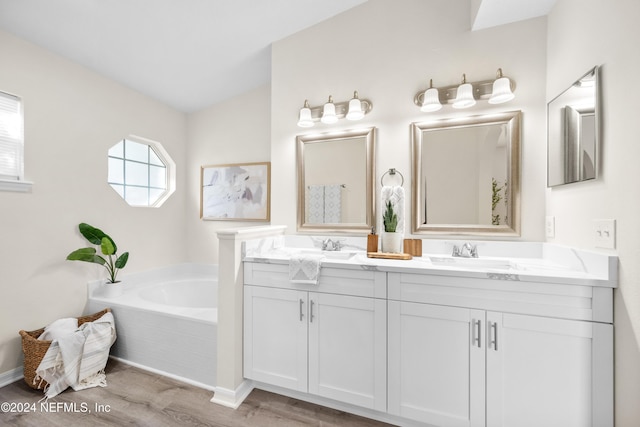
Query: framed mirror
x=336, y=181
x=466, y=175
x=573, y=132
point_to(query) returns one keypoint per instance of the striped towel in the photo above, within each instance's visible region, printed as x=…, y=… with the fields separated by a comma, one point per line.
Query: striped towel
x=78, y=359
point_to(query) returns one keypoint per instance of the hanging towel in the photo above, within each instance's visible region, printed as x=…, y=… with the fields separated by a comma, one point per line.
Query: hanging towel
x=305, y=268
x=315, y=204
x=332, y=204
x=78, y=359
x=396, y=195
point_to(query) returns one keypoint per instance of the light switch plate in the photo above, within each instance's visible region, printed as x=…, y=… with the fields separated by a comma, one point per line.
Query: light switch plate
x=550, y=226
x=605, y=233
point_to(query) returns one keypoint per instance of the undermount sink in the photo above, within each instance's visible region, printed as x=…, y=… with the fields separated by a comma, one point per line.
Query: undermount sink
x=462, y=262
x=329, y=254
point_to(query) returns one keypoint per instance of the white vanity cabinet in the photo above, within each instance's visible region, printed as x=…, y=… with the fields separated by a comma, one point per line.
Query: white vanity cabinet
x=479, y=352
x=328, y=339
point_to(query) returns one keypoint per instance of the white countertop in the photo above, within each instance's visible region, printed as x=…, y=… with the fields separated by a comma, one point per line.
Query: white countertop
x=528, y=261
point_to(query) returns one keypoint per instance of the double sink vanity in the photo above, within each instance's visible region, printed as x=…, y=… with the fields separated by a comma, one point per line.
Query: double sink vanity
x=522, y=335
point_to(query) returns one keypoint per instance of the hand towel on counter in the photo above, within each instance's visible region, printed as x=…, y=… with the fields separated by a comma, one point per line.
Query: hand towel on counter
x=305, y=268
x=396, y=195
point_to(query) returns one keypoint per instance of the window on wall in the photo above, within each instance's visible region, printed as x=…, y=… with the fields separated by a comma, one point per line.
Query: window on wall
x=141, y=172
x=11, y=144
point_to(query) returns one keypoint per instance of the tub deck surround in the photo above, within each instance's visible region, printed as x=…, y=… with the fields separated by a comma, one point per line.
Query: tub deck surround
x=162, y=329
x=523, y=332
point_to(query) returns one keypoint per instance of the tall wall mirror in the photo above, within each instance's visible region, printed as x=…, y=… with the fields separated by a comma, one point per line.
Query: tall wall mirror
x=466, y=175
x=336, y=181
x=573, y=132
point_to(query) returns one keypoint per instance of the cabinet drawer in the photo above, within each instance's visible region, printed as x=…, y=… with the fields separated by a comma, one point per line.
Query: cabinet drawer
x=339, y=281
x=511, y=296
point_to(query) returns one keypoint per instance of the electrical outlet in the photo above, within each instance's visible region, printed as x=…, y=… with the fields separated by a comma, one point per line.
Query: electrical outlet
x=550, y=226
x=605, y=233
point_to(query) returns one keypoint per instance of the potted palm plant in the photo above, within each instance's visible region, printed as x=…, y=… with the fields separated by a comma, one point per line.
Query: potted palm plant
x=109, y=258
x=391, y=238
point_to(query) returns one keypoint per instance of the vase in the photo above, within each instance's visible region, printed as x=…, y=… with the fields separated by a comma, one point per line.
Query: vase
x=111, y=290
x=392, y=242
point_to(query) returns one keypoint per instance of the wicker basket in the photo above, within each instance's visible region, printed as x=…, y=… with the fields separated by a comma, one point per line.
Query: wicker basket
x=35, y=349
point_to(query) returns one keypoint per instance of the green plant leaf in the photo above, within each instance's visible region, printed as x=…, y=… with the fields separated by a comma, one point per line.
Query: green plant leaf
x=107, y=246
x=122, y=260
x=92, y=234
x=87, y=255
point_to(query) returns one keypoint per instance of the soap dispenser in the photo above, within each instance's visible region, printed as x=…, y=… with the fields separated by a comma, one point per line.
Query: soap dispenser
x=372, y=241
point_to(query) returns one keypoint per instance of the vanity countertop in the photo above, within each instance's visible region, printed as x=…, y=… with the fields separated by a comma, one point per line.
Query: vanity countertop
x=532, y=262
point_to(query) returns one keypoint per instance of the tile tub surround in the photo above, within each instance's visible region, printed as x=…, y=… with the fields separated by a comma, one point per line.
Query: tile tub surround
x=518, y=261
x=176, y=341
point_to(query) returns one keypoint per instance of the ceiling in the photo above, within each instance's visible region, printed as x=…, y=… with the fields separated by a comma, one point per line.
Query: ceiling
x=190, y=54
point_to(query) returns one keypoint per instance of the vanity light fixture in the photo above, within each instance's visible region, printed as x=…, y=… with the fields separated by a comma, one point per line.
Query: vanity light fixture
x=501, y=89
x=355, y=108
x=431, y=99
x=304, y=118
x=466, y=94
x=330, y=112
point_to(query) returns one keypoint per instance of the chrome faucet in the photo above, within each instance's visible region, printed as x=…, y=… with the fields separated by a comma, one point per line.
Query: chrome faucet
x=467, y=250
x=331, y=245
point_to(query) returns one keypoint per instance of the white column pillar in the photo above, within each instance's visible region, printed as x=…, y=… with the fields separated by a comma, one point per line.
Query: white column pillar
x=231, y=388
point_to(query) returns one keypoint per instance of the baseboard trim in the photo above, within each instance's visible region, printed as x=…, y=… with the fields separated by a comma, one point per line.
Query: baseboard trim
x=11, y=376
x=165, y=374
x=232, y=398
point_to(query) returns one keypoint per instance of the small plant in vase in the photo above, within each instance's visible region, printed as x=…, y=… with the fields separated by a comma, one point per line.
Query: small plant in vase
x=391, y=239
x=110, y=261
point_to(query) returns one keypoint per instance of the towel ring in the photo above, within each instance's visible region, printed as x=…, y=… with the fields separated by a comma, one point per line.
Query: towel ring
x=391, y=171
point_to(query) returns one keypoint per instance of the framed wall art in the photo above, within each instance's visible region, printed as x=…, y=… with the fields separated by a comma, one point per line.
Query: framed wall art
x=236, y=192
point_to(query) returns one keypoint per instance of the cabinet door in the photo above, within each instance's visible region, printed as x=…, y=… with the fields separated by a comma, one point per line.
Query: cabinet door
x=437, y=364
x=275, y=336
x=539, y=372
x=347, y=349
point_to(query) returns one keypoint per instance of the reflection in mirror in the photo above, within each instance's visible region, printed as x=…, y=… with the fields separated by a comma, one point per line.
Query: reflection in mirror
x=335, y=181
x=573, y=132
x=466, y=175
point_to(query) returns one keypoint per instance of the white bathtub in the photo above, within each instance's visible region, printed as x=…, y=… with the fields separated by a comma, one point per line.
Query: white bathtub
x=166, y=321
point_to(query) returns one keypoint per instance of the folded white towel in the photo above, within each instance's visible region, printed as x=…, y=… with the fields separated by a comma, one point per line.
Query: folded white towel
x=59, y=329
x=396, y=195
x=305, y=268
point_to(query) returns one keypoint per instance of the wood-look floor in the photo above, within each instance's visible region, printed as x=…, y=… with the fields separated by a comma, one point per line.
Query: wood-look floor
x=140, y=398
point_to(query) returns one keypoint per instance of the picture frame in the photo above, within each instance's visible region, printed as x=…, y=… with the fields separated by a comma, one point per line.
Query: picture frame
x=236, y=192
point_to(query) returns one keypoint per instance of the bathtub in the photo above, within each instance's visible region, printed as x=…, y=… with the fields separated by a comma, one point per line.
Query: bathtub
x=166, y=321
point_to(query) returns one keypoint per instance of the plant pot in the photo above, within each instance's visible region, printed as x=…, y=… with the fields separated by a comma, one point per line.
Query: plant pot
x=392, y=242
x=111, y=290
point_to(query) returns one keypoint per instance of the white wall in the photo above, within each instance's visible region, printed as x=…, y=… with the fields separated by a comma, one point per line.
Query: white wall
x=233, y=131
x=582, y=34
x=388, y=51
x=72, y=117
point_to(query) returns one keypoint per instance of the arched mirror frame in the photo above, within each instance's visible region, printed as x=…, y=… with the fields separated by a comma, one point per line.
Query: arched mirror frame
x=419, y=130
x=369, y=135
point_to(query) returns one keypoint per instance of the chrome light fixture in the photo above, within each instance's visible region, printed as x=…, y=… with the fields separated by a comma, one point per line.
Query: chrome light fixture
x=304, y=118
x=431, y=99
x=355, y=108
x=330, y=112
x=466, y=94
x=501, y=89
